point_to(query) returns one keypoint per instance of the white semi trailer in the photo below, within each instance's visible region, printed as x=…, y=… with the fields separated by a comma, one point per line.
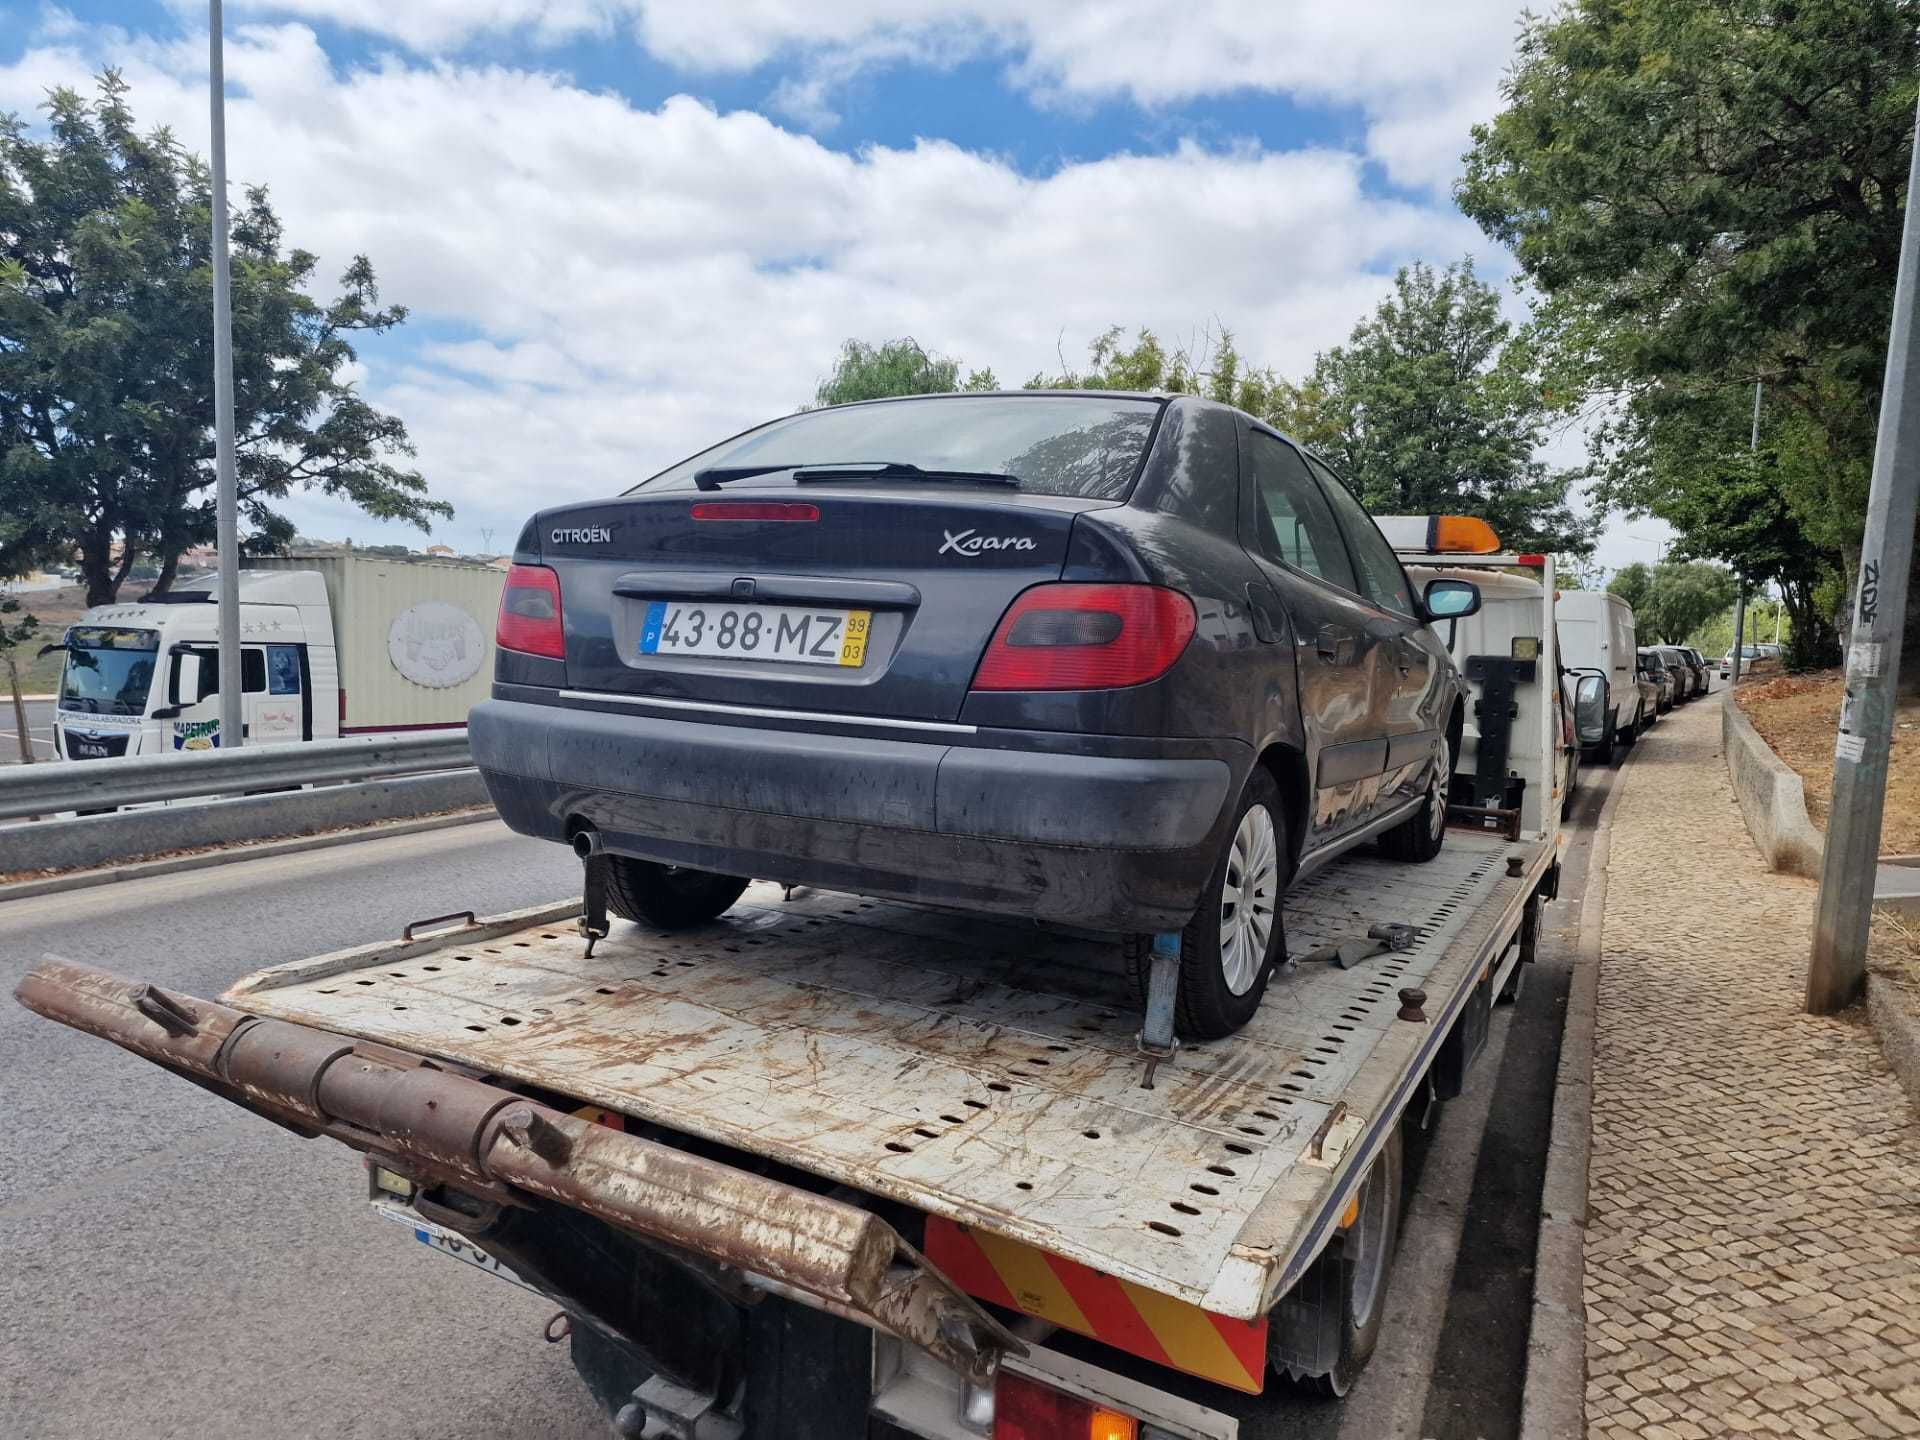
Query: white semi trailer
x=333, y=645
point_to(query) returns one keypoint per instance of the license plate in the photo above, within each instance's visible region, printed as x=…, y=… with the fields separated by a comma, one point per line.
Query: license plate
x=756, y=632
x=448, y=1243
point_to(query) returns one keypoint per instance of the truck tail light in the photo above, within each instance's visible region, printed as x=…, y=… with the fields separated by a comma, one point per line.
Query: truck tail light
x=530, y=613
x=1086, y=637
x=1025, y=1409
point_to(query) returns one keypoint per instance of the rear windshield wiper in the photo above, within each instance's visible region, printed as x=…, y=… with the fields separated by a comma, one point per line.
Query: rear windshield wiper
x=714, y=478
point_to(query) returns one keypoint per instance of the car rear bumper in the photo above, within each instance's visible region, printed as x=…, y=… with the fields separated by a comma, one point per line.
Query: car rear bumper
x=1106, y=841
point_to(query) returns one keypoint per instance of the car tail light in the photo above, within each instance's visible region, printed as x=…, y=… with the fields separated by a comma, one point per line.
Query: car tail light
x=1532, y=562
x=1025, y=1409
x=1086, y=637
x=754, y=510
x=530, y=613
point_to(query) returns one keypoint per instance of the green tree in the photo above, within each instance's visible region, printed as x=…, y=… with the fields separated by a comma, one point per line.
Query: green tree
x=1673, y=599
x=106, y=355
x=1709, y=196
x=898, y=367
x=14, y=634
x=1435, y=405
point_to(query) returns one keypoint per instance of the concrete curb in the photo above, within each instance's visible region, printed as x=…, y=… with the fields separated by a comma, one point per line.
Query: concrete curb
x=1897, y=1026
x=1773, y=799
x=227, y=855
x=1553, y=1404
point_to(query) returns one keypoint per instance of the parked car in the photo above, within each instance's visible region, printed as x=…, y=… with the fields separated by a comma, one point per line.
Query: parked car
x=1748, y=654
x=1656, y=667
x=1597, y=640
x=1704, y=666
x=1688, y=681
x=1127, y=662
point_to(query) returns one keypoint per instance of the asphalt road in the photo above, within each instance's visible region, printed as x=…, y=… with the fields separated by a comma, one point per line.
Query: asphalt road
x=39, y=731
x=172, y=1266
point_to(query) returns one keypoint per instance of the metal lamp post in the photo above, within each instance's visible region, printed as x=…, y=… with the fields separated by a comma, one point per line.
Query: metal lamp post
x=1837, y=973
x=228, y=495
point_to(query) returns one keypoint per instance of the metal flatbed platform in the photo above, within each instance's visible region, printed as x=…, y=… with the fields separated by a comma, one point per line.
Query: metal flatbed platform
x=981, y=1071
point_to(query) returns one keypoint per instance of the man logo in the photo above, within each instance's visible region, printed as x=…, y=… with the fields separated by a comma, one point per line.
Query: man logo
x=582, y=535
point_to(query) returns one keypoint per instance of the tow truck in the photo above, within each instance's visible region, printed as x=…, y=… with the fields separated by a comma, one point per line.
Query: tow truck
x=837, y=1167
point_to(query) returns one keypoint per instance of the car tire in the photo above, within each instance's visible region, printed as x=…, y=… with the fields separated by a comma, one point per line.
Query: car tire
x=668, y=897
x=1250, y=878
x=1359, y=1264
x=1420, y=837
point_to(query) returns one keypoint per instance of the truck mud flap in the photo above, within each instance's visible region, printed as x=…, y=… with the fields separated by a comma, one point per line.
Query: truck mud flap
x=438, y=1124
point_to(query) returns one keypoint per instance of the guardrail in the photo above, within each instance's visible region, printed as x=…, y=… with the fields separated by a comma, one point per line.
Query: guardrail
x=46, y=789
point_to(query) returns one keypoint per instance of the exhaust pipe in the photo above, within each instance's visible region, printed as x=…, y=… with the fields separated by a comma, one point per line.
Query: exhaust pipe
x=586, y=842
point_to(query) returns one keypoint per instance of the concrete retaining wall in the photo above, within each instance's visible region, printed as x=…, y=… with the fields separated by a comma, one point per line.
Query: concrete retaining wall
x=1892, y=1017
x=104, y=839
x=1772, y=797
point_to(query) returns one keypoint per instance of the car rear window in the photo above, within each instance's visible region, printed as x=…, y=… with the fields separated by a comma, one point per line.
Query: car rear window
x=1081, y=445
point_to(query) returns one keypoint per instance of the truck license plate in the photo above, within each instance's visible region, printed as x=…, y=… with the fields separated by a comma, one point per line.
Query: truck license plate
x=756, y=632
x=447, y=1242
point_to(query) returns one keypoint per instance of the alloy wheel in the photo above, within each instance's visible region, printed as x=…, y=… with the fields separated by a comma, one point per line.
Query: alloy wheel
x=1437, y=791
x=1249, y=900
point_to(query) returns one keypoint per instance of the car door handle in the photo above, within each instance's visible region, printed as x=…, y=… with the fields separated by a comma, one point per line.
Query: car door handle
x=1339, y=646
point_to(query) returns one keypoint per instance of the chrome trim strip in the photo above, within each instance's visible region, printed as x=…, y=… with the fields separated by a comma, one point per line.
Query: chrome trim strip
x=817, y=717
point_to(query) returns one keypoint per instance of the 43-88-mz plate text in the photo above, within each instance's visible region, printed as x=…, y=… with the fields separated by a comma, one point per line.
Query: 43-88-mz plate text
x=756, y=632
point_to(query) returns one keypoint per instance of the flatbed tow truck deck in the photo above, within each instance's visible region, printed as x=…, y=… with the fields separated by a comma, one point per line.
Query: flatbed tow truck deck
x=831, y=1100
x=980, y=1071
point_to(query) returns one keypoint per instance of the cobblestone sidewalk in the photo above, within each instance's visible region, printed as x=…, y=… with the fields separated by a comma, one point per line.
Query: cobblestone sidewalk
x=1753, y=1233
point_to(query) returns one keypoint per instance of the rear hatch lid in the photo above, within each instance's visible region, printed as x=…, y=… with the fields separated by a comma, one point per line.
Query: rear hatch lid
x=881, y=596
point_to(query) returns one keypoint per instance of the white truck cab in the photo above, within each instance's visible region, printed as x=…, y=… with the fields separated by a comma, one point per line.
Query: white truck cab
x=1519, y=720
x=143, y=678
x=331, y=645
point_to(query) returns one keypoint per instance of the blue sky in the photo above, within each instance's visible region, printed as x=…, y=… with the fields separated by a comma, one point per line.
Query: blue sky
x=627, y=227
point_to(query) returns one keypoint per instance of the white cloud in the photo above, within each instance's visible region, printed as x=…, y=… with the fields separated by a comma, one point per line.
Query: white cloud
x=1419, y=72
x=624, y=285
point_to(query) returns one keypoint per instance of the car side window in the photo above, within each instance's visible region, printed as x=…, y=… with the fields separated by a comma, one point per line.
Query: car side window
x=1292, y=522
x=1381, y=578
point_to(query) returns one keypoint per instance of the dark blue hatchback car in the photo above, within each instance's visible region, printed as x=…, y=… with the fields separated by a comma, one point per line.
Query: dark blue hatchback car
x=1125, y=662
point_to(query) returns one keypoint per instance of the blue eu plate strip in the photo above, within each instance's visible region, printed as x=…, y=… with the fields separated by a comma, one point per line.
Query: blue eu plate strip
x=650, y=631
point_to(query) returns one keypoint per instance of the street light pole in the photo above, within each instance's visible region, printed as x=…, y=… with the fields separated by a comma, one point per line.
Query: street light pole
x=1844, y=913
x=227, y=499
x=1740, y=596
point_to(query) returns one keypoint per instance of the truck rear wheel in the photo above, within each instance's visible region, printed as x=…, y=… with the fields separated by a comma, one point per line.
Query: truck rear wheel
x=1353, y=1273
x=669, y=897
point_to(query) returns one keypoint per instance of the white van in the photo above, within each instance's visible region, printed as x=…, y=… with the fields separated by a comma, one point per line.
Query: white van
x=1597, y=637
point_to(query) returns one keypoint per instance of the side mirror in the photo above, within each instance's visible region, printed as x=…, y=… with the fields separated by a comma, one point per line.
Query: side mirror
x=1451, y=599
x=183, y=686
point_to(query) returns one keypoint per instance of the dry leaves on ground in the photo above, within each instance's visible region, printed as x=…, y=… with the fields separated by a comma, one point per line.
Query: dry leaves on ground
x=1799, y=716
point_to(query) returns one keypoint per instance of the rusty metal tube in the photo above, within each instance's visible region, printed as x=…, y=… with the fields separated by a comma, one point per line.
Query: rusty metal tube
x=448, y=1126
